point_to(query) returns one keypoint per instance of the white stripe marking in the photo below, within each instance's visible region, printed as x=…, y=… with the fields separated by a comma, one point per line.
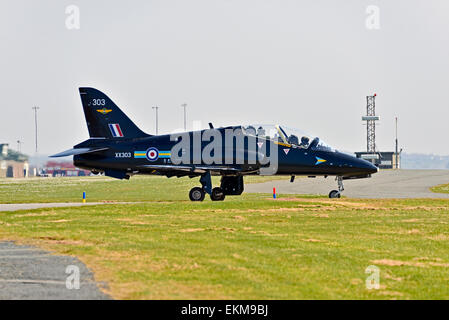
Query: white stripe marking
x=25, y=256
x=35, y=281
x=13, y=250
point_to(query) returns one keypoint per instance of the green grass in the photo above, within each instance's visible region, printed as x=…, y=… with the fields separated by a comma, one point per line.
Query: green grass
x=249, y=247
x=442, y=188
x=138, y=188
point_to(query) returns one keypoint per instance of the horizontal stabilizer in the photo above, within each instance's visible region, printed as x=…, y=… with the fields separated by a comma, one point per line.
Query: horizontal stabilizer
x=74, y=152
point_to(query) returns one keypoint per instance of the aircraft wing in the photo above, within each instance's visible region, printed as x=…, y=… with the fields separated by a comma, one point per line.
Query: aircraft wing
x=76, y=151
x=193, y=168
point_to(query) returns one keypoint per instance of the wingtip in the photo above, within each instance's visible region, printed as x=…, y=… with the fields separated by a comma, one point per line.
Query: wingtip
x=58, y=155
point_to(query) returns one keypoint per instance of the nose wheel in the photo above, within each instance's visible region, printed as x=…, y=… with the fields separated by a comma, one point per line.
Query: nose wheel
x=337, y=193
x=334, y=194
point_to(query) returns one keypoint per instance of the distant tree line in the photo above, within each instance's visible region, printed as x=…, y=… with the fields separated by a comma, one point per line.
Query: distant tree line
x=14, y=156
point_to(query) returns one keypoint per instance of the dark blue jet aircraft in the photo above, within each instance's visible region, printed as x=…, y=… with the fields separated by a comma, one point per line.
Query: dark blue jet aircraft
x=119, y=149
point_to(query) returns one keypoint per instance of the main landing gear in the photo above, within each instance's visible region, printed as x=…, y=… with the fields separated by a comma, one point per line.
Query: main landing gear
x=198, y=194
x=337, y=193
x=230, y=185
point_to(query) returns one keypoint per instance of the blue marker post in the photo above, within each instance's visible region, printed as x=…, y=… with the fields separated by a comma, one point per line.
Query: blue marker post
x=84, y=197
x=274, y=193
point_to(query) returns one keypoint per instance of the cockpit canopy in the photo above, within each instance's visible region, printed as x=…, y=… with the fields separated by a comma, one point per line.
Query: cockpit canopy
x=294, y=137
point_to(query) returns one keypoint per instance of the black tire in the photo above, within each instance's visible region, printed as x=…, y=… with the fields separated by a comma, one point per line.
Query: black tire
x=197, y=194
x=217, y=194
x=334, y=194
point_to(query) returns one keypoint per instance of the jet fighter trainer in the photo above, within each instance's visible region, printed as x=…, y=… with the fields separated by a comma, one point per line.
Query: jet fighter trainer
x=119, y=149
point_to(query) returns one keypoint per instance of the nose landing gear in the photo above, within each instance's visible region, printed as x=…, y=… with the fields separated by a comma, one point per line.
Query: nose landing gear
x=337, y=193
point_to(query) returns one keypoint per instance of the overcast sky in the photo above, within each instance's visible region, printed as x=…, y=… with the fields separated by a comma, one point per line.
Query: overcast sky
x=306, y=64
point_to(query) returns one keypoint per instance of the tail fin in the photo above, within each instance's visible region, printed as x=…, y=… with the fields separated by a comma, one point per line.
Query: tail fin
x=106, y=120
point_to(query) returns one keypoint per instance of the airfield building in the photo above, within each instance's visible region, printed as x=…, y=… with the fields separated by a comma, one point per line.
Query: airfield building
x=13, y=164
x=382, y=160
x=63, y=169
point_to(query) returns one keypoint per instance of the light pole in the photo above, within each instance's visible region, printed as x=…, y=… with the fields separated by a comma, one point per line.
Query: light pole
x=19, y=146
x=396, y=141
x=35, y=122
x=156, y=108
x=184, y=105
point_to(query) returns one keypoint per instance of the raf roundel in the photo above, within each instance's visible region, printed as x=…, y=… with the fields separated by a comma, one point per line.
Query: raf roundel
x=152, y=154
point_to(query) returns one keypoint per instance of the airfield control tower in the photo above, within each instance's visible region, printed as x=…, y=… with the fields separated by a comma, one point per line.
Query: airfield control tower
x=384, y=160
x=371, y=119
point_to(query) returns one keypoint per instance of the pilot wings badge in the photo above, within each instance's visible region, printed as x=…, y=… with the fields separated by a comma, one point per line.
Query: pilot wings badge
x=104, y=111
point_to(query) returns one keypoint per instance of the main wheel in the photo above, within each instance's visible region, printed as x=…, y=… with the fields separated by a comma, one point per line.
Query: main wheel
x=196, y=194
x=334, y=194
x=217, y=194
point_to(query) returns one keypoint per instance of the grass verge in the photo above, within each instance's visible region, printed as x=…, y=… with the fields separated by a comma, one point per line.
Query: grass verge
x=442, y=188
x=249, y=247
x=138, y=188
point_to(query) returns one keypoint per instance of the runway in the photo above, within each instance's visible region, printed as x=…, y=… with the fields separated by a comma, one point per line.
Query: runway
x=31, y=273
x=31, y=206
x=384, y=184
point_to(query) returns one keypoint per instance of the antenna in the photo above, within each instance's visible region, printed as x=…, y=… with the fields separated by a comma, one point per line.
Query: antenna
x=371, y=119
x=396, y=141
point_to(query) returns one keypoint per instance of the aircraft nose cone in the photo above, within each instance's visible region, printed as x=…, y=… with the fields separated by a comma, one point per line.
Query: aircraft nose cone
x=373, y=168
x=369, y=167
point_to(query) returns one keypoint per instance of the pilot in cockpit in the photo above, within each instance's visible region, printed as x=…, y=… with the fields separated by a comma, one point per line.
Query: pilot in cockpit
x=293, y=140
x=304, y=142
x=251, y=130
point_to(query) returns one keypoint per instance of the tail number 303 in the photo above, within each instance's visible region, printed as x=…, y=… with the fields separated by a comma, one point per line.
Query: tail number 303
x=98, y=102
